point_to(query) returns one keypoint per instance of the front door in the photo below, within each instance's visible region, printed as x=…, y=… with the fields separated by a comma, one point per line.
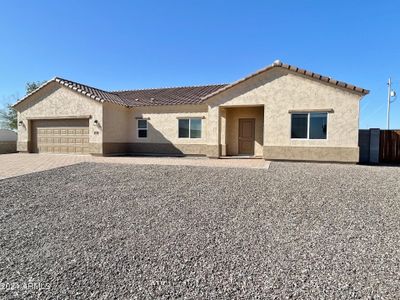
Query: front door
x=246, y=136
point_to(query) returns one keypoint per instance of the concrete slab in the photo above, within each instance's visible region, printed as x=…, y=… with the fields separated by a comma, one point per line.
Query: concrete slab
x=17, y=164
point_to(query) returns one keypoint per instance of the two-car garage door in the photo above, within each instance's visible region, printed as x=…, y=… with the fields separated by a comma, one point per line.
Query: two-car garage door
x=60, y=136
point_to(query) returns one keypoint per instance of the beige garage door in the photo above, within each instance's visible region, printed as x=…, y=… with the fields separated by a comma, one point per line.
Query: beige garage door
x=60, y=136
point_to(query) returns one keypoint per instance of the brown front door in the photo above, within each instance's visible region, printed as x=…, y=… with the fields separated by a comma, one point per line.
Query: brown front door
x=246, y=136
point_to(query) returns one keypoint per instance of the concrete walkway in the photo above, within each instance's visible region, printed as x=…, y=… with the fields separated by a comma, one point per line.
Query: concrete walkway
x=22, y=163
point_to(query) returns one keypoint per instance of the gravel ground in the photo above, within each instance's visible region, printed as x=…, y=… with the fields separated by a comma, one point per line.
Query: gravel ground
x=135, y=232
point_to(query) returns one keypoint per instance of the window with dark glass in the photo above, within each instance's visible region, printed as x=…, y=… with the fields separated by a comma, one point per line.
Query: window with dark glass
x=309, y=125
x=299, y=126
x=183, y=128
x=195, y=128
x=318, y=125
x=189, y=128
x=142, y=128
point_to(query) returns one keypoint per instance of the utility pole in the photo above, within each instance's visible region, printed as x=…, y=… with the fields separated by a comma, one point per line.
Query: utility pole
x=388, y=103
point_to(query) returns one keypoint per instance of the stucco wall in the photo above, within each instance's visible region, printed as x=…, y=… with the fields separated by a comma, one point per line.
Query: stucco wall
x=56, y=101
x=116, y=127
x=281, y=91
x=163, y=128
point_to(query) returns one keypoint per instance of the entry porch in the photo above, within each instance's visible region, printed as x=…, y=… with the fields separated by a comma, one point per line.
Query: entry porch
x=241, y=131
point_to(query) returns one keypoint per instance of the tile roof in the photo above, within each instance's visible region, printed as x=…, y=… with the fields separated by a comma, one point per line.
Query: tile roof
x=91, y=92
x=181, y=95
x=279, y=64
x=135, y=98
x=94, y=93
x=167, y=96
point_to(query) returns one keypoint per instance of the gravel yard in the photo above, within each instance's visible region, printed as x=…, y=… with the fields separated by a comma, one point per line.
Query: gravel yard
x=133, y=231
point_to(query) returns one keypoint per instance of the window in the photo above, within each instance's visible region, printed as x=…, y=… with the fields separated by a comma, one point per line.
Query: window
x=299, y=126
x=189, y=128
x=309, y=125
x=184, y=128
x=142, y=129
x=195, y=128
x=318, y=125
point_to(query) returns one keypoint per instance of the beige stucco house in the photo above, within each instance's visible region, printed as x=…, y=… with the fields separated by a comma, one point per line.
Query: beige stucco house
x=280, y=113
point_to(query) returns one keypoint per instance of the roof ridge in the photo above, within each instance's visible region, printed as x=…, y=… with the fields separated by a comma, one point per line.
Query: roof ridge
x=90, y=91
x=89, y=86
x=170, y=87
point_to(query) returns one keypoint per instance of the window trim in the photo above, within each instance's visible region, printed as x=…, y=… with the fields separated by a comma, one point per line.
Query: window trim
x=190, y=127
x=137, y=128
x=308, y=125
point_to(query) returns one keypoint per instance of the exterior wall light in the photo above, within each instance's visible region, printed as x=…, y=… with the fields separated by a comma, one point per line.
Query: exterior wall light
x=20, y=123
x=96, y=123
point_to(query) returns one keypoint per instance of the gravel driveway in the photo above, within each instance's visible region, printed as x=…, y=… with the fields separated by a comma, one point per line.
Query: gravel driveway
x=130, y=231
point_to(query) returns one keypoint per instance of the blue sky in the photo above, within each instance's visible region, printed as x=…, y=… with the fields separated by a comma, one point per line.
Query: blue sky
x=138, y=44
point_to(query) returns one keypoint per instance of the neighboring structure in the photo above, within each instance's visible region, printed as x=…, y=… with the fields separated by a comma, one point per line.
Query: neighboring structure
x=8, y=141
x=280, y=112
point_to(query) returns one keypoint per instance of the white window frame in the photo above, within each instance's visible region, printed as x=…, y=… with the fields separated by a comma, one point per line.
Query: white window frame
x=308, y=125
x=137, y=129
x=189, y=137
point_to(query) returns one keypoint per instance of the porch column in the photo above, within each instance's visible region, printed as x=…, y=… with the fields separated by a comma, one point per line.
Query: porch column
x=213, y=132
x=265, y=134
x=222, y=126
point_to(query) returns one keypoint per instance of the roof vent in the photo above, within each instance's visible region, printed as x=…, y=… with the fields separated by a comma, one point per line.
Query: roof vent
x=277, y=63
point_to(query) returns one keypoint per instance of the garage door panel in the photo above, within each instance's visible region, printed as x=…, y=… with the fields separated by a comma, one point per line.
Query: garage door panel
x=64, y=149
x=61, y=136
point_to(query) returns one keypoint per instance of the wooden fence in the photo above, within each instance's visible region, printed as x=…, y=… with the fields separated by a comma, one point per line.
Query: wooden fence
x=379, y=146
x=389, y=146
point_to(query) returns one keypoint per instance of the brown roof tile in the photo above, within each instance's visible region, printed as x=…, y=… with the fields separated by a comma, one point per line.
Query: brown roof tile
x=135, y=98
x=94, y=93
x=91, y=92
x=180, y=95
x=167, y=96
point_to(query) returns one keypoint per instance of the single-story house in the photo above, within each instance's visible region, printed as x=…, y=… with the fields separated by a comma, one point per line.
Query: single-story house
x=280, y=112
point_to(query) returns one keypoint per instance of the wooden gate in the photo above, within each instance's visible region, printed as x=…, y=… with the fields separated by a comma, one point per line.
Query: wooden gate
x=389, y=145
